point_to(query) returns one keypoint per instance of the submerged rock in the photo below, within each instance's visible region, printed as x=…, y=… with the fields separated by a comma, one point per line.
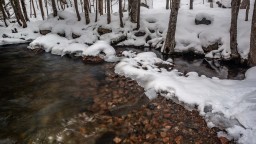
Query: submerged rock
x=92, y=60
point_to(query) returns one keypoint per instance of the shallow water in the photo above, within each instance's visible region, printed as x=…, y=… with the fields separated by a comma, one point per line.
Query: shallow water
x=39, y=91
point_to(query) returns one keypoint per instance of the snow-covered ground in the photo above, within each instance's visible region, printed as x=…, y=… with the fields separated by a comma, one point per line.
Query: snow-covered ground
x=227, y=104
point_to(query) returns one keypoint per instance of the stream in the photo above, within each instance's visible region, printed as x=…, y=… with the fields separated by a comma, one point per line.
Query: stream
x=39, y=92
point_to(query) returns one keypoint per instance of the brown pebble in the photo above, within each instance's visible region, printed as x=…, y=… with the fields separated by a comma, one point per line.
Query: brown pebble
x=117, y=140
x=223, y=140
x=178, y=139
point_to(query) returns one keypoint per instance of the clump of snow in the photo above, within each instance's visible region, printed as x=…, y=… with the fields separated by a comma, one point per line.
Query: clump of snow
x=207, y=16
x=101, y=47
x=229, y=104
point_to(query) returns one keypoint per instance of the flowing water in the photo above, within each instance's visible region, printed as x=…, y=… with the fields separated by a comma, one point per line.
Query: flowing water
x=39, y=91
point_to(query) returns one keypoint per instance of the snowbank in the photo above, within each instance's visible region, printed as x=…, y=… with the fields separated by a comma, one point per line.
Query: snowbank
x=228, y=104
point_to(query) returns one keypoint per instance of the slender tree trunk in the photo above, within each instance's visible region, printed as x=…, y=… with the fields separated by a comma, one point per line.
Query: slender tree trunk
x=15, y=10
x=138, y=14
x=96, y=11
x=247, y=10
x=54, y=8
x=105, y=6
x=46, y=6
x=167, y=4
x=191, y=4
x=24, y=10
x=3, y=12
x=133, y=10
x=101, y=7
x=86, y=11
x=33, y=6
x=41, y=8
x=244, y=4
x=19, y=13
x=77, y=12
x=233, y=29
x=252, y=54
x=81, y=2
x=170, y=38
x=108, y=12
x=121, y=14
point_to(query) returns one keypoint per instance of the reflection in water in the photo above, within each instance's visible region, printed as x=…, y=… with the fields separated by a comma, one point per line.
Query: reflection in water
x=39, y=92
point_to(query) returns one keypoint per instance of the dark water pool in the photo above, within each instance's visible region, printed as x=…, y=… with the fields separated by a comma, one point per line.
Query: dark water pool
x=39, y=91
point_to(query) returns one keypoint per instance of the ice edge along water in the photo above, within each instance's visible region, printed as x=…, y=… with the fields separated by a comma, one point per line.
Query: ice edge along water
x=227, y=104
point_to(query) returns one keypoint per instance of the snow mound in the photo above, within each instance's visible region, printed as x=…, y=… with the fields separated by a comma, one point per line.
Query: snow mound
x=101, y=47
x=251, y=74
x=230, y=101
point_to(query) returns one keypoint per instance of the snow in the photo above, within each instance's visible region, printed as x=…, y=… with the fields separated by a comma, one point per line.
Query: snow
x=200, y=16
x=233, y=102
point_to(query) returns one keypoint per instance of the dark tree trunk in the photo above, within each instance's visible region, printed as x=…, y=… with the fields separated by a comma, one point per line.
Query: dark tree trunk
x=86, y=11
x=244, y=4
x=24, y=10
x=121, y=14
x=170, y=38
x=101, y=7
x=138, y=15
x=247, y=10
x=3, y=12
x=167, y=4
x=15, y=10
x=108, y=12
x=41, y=8
x=133, y=10
x=233, y=29
x=252, y=54
x=191, y=4
x=19, y=13
x=54, y=8
x=96, y=11
x=77, y=12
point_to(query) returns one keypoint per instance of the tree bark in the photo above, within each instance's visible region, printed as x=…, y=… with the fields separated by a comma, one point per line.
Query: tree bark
x=101, y=7
x=77, y=12
x=96, y=11
x=233, y=29
x=108, y=12
x=121, y=13
x=33, y=7
x=170, y=38
x=191, y=4
x=86, y=11
x=252, y=53
x=24, y=10
x=15, y=10
x=247, y=10
x=133, y=10
x=167, y=4
x=138, y=15
x=54, y=8
x=41, y=8
x=3, y=12
x=19, y=13
x=46, y=6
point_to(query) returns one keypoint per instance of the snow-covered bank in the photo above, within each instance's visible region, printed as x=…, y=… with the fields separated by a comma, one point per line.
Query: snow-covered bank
x=189, y=36
x=228, y=104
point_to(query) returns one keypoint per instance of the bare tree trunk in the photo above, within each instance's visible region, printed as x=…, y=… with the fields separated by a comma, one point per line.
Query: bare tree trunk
x=121, y=14
x=33, y=6
x=167, y=4
x=105, y=6
x=191, y=4
x=108, y=12
x=133, y=10
x=170, y=38
x=247, y=10
x=77, y=12
x=15, y=10
x=101, y=7
x=233, y=29
x=138, y=15
x=3, y=12
x=252, y=54
x=54, y=8
x=24, y=10
x=81, y=2
x=46, y=6
x=86, y=11
x=19, y=13
x=41, y=8
x=96, y=11
x=243, y=4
